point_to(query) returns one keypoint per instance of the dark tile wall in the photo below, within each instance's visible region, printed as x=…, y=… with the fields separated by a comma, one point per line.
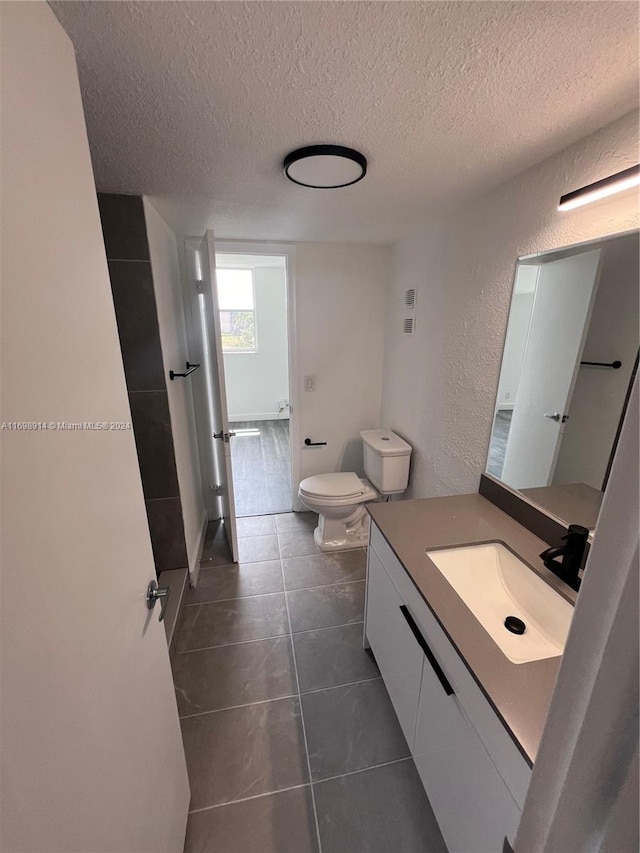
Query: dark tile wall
x=125, y=237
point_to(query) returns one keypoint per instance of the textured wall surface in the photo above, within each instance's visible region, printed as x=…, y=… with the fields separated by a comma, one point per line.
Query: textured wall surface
x=440, y=384
x=201, y=101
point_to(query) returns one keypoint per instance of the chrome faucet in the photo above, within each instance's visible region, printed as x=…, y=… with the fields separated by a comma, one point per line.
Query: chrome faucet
x=572, y=555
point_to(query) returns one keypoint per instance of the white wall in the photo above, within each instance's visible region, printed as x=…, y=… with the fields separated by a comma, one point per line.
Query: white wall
x=599, y=395
x=257, y=381
x=516, y=338
x=163, y=249
x=440, y=384
x=92, y=757
x=340, y=313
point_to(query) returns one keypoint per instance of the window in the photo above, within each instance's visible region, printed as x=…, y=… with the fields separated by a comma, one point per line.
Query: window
x=236, y=301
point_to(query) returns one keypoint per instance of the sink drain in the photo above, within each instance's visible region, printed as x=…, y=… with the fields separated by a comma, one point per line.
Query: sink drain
x=515, y=625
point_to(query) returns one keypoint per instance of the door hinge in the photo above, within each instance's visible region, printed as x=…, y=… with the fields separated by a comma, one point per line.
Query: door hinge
x=218, y=489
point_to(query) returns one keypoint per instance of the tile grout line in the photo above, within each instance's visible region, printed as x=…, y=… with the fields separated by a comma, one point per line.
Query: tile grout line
x=238, y=707
x=248, y=799
x=364, y=769
x=277, y=592
x=272, y=637
x=304, y=730
x=238, y=598
x=279, y=698
x=305, y=785
x=338, y=686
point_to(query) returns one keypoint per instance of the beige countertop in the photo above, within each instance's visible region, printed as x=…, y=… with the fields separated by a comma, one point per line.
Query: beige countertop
x=520, y=693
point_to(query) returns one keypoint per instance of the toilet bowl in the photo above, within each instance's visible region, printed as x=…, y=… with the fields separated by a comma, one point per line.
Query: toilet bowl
x=340, y=498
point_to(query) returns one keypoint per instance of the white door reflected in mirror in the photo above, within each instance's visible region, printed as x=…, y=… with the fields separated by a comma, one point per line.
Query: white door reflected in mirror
x=569, y=358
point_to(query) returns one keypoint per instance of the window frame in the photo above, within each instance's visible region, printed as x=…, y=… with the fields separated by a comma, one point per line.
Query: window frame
x=243, y=351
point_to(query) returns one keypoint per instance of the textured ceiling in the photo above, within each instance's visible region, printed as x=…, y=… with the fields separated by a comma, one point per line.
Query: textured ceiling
x=197, y=103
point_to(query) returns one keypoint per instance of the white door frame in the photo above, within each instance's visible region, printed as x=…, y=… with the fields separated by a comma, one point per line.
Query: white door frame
x=210, y=318
x=189, y=253
x=256, y=247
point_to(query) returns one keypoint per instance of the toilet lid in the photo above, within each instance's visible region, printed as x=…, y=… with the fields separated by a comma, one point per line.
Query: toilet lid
x=345, y=484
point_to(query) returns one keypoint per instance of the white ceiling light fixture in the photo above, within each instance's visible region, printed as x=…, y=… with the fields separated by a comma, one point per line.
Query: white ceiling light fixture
x=601, y=189
x=325, y=167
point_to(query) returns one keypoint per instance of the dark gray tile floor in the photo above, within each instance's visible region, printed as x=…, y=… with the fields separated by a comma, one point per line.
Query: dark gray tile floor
x=261, y=462
x=215, y=551
x=498, y=445
x=292, y=744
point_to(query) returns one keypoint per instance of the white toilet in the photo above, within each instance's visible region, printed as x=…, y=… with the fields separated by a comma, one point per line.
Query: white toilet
x=339, y=499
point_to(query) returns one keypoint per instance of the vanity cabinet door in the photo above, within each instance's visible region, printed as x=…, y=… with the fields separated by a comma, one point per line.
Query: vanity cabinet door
x=505, y=755
x=473, y=806
x=396, y=651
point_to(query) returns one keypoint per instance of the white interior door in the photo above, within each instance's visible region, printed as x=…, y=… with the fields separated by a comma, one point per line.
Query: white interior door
x=562, y=307
x=222, y=434
x=92, y=755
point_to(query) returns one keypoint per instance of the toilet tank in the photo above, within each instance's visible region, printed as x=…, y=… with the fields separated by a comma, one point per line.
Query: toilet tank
x=386, y=460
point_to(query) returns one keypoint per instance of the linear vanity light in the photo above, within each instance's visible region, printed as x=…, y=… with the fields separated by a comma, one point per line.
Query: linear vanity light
x=601, y=189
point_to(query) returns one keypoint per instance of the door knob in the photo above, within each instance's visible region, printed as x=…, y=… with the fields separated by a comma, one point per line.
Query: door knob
x=554, y=417
x=155, y=593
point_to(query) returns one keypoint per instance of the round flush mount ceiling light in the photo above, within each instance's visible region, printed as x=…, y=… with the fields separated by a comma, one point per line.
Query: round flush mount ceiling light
x=325, y=166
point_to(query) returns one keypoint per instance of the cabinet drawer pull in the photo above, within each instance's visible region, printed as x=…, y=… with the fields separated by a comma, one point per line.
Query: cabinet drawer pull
x=442, y=678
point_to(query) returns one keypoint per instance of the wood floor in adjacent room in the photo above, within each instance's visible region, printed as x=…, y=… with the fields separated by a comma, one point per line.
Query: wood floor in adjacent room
x=499, y=438
x=261, y=462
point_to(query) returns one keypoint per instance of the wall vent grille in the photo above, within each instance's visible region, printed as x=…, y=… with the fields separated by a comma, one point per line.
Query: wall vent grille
x=408, y=325
x=410, y=297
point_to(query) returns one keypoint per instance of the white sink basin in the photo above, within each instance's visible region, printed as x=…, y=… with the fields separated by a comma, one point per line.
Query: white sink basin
x=494, y=584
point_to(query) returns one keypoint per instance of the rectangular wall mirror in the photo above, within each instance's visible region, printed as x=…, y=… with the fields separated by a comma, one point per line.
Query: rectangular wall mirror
x=570, y=356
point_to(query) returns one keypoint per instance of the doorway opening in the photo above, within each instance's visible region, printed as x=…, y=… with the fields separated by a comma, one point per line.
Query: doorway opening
x=253, y=304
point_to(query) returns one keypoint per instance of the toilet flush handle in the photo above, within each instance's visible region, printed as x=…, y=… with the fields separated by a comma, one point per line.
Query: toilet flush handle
x=310, y=443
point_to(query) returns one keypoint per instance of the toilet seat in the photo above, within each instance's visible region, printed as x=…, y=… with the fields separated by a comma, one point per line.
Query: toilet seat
x=338, y=485
x=340, y=500
x=335, y=490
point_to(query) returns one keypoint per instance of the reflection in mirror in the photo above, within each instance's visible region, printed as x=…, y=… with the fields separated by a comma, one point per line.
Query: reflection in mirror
x=562, y=394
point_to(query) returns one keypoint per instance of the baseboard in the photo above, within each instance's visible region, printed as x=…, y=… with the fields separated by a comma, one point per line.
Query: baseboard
x=259, y=416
